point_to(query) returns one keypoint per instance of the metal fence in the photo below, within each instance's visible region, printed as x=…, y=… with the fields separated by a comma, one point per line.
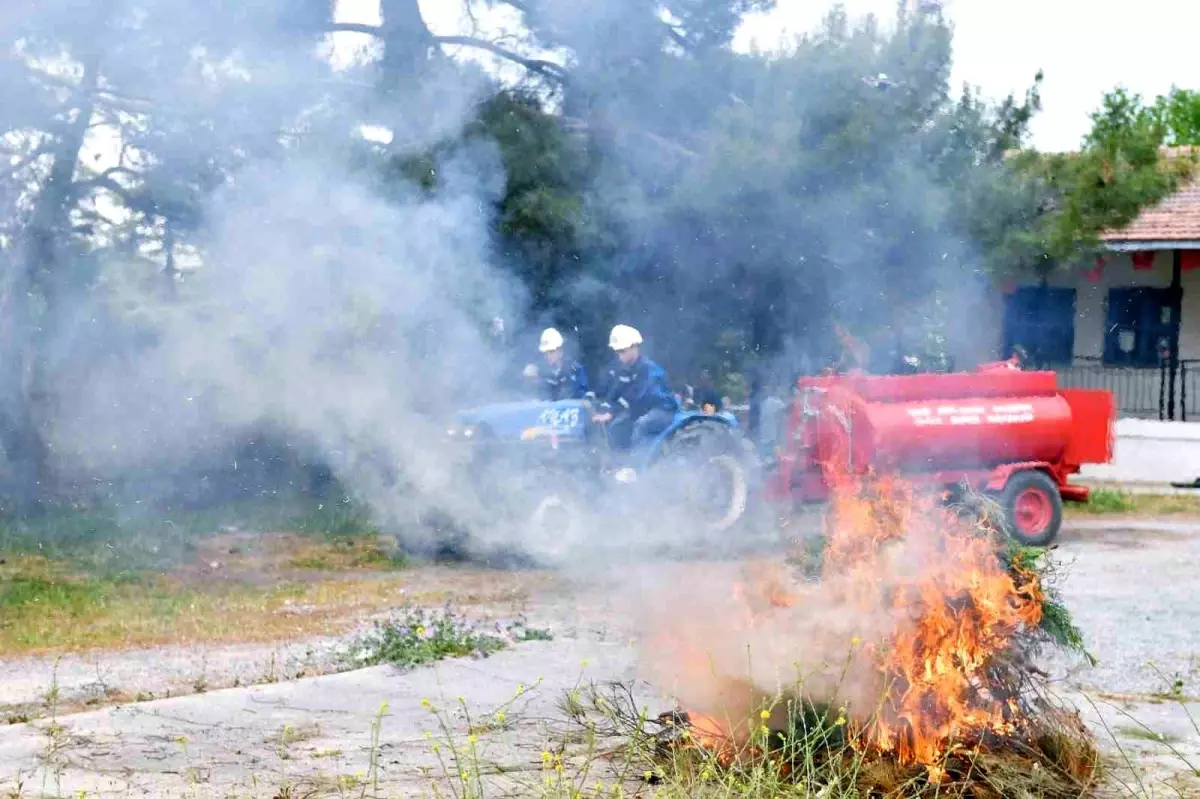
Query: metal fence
x=1189, y=390
x=1141, y=392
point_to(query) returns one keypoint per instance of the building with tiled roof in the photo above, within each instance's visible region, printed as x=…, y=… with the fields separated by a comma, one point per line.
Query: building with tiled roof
x=1171, y=224
x=1131, y=323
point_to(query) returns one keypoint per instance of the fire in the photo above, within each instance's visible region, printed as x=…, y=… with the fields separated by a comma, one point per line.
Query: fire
x=935, y=608
x=711, y=734
x=956, y=608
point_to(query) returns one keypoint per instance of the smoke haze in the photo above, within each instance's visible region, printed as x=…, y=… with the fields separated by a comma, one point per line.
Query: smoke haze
x=349, y=314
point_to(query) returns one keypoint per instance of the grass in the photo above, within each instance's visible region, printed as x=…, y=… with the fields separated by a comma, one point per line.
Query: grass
x=611, y=747
x=46, y=608
x=1104, y=500
x=144, y=537
x=347, y=554
x=74, y=577
x=1144, y=734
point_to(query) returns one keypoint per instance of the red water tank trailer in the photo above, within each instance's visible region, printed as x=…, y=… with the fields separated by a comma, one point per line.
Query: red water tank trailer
x=1010, y=433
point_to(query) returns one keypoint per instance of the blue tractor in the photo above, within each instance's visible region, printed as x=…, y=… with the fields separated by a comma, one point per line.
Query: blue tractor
x=549, y=467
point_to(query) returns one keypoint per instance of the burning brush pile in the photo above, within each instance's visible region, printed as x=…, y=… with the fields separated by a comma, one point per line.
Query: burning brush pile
x=905, y=668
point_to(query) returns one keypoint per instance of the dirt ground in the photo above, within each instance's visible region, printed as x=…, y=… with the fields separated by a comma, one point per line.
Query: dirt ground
x=263, y=720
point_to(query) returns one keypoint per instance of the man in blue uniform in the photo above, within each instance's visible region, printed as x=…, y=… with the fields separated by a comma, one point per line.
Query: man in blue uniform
x=637, y=392
x=558, y=379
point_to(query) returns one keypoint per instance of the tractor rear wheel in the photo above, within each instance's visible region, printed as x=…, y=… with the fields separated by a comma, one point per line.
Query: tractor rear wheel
x=1033, y=508
x=710, y=463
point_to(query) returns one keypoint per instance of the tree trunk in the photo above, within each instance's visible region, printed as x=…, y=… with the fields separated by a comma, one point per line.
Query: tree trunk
x=22, y=392
x=406, y=42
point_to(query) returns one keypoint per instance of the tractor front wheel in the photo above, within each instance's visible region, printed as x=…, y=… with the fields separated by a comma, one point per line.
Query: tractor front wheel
x=1033, y=508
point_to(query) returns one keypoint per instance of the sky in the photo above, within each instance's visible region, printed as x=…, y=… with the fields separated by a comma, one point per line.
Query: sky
x=1084, y=48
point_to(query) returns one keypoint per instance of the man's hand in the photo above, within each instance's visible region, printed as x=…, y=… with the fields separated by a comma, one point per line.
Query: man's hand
x=603, y=417
x=531, y=371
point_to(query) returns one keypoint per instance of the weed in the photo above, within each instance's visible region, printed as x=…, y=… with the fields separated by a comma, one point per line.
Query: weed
x=415, y=636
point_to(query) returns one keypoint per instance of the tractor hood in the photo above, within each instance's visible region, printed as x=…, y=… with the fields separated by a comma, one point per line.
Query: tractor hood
x=514, y=421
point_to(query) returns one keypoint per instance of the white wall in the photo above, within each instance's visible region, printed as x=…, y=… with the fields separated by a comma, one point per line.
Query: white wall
x=1091, y=300
x=1151, y=452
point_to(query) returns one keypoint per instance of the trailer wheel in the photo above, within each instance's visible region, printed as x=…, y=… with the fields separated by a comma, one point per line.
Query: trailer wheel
x=1033, y=508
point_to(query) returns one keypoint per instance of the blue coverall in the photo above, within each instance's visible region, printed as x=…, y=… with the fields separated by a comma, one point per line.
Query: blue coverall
x=640, y=399
x=568, y=381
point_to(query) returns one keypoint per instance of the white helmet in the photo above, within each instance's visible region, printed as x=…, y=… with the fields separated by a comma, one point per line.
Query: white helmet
x=551, y=340
x=623, y=337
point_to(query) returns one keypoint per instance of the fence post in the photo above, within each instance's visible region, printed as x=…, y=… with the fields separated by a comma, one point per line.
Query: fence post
x=1162, y=389
x=1183, y=391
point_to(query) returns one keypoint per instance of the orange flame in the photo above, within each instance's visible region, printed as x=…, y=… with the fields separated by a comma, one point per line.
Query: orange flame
x=937, y=604
x=712, y=735
x=956, y=607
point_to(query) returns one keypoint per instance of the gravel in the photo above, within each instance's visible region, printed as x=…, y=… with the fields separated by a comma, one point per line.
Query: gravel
x=1133, y=588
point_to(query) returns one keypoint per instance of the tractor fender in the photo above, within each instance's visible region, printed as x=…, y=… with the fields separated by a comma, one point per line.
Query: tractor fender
x=654, y=450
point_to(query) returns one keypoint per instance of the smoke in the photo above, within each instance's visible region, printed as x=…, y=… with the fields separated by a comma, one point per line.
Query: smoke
x=343, y=295
x=784, y=194
x=919, y=590
x=316, y=294
x=355, y=321
x=812, y=648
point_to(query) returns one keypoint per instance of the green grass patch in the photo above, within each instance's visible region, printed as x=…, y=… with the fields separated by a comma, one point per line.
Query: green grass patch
x=102, y=539
x=1105, y=500
x=416, y=636
x=46, y=607
x=1146, y=734
x=1108, y=500
x=348, y=554
x=344, y=518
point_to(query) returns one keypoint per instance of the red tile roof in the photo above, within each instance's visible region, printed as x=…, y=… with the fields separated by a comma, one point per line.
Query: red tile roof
x=1176, y=218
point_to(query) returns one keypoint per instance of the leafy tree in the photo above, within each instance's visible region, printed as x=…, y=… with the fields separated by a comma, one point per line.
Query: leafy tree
x=158, y=79
x=1064, y=202
x=1179, y=113
x=820, y=187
